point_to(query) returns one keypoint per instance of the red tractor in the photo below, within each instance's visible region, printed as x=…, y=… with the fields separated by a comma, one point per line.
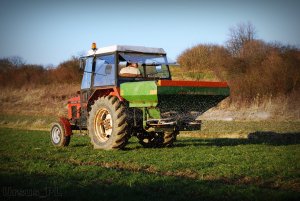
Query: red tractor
x=128, y=91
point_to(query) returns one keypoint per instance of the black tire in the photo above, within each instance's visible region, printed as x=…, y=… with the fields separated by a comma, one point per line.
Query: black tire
x=107, y=124
x=151, y=139
x=169, y=138
x=57, y=135
x=155, y=140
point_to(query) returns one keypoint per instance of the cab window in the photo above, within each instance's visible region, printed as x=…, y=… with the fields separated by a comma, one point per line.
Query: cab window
x=87, y=75
x=105, y=71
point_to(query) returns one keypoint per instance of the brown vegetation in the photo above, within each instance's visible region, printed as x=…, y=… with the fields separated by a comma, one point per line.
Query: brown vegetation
x=41, y=100
x=16, y=75
x=257, y=70
x=264, y=77
x=35, y=90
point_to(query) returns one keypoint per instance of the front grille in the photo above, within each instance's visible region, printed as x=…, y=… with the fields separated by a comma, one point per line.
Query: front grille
x=74, y=111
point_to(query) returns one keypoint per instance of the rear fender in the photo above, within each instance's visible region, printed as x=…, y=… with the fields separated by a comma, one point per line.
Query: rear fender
x=114, y=91
x=66, y=125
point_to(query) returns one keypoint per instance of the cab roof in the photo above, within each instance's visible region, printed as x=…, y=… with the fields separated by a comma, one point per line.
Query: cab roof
x=126, y=48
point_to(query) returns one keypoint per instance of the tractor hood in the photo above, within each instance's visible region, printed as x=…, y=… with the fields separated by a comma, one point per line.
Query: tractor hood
x=175, y=95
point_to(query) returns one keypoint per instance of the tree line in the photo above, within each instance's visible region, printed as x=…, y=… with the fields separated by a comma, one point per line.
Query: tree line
x=14, y=72
x=252, y=67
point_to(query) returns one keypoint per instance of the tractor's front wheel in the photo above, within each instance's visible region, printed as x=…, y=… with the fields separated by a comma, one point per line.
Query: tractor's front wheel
x=107, y=124
x=57, y=135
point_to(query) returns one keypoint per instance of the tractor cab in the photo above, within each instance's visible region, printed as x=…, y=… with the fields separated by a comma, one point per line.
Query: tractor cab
x=103, y=67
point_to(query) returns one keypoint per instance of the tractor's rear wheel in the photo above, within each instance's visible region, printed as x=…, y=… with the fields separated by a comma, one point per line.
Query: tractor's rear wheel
x=57, y=135
x=107, y=124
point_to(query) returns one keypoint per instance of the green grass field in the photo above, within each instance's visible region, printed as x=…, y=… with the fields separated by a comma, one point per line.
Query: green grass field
x=264, y=167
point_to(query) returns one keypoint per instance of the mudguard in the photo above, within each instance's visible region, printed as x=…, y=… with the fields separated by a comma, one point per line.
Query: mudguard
x=66, y=125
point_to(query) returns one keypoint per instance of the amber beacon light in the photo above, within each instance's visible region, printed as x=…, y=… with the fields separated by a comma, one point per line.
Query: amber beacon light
x=94, y=46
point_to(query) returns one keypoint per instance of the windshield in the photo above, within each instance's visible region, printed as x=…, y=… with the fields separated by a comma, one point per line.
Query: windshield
x=143, y=66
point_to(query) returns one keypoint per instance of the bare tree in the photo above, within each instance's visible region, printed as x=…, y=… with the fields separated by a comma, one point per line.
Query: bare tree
x=239, y=35
x=17, y=61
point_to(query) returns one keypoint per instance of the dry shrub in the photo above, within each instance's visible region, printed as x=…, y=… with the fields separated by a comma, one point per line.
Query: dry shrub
x=26, y=75
x=66, y=72
x=204, y=58
x=260, y=71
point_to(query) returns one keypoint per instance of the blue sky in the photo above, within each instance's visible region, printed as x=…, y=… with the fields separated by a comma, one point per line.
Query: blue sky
x=49, y=32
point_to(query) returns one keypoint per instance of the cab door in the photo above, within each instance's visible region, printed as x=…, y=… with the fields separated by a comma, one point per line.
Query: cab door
x=86, y=90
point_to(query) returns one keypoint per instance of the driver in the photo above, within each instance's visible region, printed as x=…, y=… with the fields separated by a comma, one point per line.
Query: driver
x=131, y=70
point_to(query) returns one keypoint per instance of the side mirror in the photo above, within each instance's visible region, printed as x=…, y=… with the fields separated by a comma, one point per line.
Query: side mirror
x=108, y=69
